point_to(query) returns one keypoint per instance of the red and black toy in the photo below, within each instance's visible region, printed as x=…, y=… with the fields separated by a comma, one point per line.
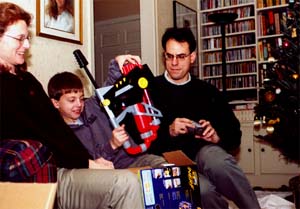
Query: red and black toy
x=129, y=95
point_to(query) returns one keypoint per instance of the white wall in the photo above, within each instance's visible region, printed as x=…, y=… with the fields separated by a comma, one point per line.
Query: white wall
x=48, y=56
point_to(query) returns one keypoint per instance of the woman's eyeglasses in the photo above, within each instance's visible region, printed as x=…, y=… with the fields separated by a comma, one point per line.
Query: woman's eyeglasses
x=21, y=39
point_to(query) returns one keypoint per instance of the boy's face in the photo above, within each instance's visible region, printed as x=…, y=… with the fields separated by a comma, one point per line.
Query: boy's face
x=70, y=105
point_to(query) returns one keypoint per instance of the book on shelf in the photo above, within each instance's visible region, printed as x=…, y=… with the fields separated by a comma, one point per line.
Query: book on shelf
x=260, y=3
x=277, y=2
x=263, y=24
x=277, y=23
x=262, y=73
x=265, y=49
x=260, y=50
x=269, y=3
x=271, y=23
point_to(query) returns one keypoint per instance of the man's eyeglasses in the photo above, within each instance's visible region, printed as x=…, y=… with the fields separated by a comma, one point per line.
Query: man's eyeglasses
x=179, y=57
x=21, y=39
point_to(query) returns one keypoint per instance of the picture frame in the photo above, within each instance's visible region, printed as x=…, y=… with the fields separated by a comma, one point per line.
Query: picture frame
x=66, y=27
x=184, y=16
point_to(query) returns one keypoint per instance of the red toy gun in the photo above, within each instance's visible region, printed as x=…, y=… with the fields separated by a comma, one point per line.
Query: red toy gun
x=145, y=119
x=129, y=95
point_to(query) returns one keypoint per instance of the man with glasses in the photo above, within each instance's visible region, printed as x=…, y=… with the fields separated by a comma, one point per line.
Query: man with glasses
x=189, y=104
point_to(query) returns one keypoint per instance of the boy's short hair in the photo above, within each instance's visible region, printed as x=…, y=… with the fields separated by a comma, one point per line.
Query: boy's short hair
x=63, y=83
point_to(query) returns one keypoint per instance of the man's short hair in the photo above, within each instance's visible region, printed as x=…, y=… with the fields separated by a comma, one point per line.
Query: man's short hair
x=181, y=35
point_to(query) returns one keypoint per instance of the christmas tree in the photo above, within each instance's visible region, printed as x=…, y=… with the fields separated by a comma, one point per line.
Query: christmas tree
x=279, y=108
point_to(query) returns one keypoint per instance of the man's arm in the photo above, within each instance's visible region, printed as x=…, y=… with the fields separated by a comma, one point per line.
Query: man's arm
x=225, y=123
x=115, y=67
x=113, y=74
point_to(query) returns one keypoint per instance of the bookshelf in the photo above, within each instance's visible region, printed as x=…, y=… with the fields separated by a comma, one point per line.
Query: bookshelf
x=250, y=41
x=271, y=20
x=240, y=39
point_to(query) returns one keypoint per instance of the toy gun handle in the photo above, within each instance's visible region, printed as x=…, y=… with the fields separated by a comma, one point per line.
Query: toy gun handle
x=82, y=62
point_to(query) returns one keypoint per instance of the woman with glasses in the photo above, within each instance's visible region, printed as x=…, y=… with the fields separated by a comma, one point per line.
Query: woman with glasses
x=26, y=112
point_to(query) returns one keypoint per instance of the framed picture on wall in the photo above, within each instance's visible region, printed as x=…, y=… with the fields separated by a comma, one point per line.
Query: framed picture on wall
x=183, y=16
x=60, y=22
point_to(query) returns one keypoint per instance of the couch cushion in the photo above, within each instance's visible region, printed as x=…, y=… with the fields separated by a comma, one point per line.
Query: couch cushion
x=26, y=161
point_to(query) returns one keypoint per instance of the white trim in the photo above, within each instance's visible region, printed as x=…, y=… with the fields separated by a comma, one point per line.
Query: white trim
x=91, y=43
x=148, y=20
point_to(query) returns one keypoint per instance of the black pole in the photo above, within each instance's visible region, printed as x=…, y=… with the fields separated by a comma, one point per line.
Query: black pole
x=224, y=71
x=82, y=62
x=222, y=19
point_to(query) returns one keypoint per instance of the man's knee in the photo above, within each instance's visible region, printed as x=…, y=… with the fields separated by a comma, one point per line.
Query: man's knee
x=210, y=198
x=213, y=157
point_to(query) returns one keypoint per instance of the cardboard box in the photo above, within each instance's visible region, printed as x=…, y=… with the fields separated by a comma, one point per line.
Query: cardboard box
x=175, y=186
x=27, y=195
x=178, y=158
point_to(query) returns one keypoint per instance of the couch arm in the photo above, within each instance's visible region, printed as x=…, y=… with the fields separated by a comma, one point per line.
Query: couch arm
x=26, y=161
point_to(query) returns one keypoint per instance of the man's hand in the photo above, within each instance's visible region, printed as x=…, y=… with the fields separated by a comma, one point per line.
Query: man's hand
x=209, y=134
x=180, y=125
x=119, y=136
x=101, y=163
x=127, y=58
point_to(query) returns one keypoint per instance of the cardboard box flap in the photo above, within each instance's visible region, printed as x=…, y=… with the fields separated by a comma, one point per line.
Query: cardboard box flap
x=178, y=158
